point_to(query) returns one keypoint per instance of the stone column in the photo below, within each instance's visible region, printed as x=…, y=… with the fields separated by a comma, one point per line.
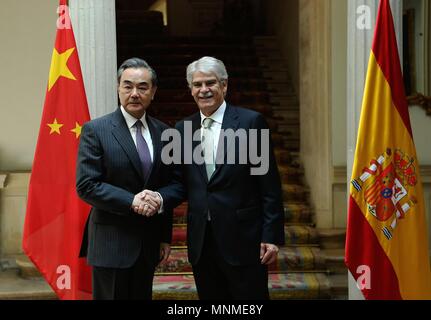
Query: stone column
x=94, y=25
x=360, y=37
x=315, y=117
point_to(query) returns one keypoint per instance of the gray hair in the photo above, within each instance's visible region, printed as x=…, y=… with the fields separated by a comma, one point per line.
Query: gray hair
x=137, y=63
x=207, y=65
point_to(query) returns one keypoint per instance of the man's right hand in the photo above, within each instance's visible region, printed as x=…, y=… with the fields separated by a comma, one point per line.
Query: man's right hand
x=146, y=203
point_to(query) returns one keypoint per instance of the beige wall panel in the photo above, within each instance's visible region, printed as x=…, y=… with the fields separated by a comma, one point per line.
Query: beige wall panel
x=13, y=202
x=27, y=34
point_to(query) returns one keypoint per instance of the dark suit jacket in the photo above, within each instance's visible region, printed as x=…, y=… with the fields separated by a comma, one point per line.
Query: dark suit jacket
x=109, y=174
x=245, y=210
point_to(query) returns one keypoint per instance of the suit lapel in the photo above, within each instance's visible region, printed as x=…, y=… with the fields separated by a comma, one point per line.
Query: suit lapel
x=122, y=134
x=230, y=121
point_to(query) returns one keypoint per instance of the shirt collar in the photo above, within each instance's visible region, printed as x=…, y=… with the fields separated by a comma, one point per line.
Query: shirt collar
x=131, y=120
x=216, y=116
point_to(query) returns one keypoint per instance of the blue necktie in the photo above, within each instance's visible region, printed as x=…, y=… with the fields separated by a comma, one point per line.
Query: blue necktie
x=143, y=151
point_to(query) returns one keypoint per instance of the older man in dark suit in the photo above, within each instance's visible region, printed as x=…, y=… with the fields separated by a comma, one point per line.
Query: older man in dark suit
x=119, y=156
x=235, y=215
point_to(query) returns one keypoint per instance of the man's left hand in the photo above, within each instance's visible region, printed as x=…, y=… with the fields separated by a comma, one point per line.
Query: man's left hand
x=268, y=253
x=165, y=250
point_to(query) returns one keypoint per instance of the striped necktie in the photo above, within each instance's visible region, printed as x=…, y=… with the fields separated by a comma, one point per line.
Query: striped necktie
x=208, y=146
x=143, y=151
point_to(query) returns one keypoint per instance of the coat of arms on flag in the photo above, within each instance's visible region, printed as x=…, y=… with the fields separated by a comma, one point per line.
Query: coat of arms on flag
x=385, y=185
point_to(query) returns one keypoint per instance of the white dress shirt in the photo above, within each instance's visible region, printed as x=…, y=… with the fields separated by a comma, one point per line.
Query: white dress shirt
x=217, y=118
x=216, y=125
x=131, y=120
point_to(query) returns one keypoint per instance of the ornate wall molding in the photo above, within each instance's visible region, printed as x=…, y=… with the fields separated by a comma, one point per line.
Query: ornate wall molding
x=420, y=100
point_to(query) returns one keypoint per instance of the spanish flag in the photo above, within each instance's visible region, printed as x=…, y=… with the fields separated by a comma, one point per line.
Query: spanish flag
x=55, y=216
x=387, y=242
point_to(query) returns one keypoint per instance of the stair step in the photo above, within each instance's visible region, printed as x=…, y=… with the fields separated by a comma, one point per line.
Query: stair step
x=294, y=235
x=291, y=140
x=290, y=174
x=276, y=76
x=281, y=107
x=289, y=259
x=188, y=49
x=254, y=84
x=295, y=146
x=288, y=117
x=335, y=260
x=295, y=213
x=290, y=130
x=332, y=238
x=237, y=71
x=185, y=59
x=298, y=234
x=281, y=286
x=282, y=156
x=265, y=40
x=27, y=270
x=277, y=63
x=294, y=192
x=339, y=284
x=285, y=101
x=277, y=140
x=13, y=287
x=185, y=40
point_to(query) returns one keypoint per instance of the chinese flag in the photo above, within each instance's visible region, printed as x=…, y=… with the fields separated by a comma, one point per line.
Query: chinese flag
x=387, y=242
x=55, y=216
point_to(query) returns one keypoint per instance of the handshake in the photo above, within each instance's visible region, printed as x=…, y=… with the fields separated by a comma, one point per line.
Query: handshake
x=147, y=203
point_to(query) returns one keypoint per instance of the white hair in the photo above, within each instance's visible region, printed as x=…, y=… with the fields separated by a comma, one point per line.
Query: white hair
x=207, y=65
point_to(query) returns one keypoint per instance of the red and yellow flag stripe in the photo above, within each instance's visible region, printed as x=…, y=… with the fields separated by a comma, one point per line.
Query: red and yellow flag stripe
x=387, y=234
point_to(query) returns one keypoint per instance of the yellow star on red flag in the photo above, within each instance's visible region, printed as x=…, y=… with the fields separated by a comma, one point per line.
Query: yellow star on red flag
x=77, y=130
x=59, y=67
x=55, y=127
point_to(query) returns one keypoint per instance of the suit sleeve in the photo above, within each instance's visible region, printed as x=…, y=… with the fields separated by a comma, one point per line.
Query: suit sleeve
x=271, y=191
x=167, y=214
x=175, y=192
x=89, y=177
